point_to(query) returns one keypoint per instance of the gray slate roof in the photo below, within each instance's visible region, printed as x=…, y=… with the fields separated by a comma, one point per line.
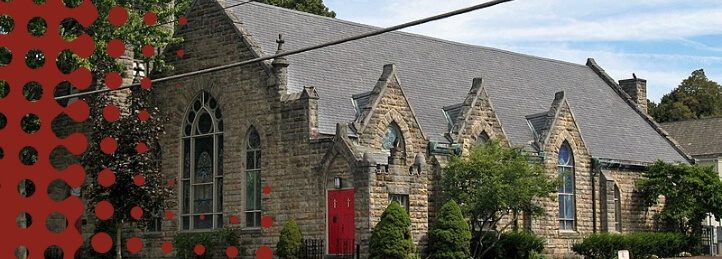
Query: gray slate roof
x=697, y=137
x=436, y=73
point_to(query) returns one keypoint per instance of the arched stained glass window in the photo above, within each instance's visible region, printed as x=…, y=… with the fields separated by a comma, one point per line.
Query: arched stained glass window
x=253, y=179
x=566, y=191
x=202, y=173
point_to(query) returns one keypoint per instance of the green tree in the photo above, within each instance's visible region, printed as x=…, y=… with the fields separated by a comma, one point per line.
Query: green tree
x=290, y=244
x=391, y=238
x=496, y=182
x=696, y=97
x=136, y=155
x=691, y=193
x=450, y=236
x=309, y=6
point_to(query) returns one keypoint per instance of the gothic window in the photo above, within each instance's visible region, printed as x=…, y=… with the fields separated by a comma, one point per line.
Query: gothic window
x=566, y=191
x=617, y=209
x=392, y=138
x=253, y=179
x=202, y=172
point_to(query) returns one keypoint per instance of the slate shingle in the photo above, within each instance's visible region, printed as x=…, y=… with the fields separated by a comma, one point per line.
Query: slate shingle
x=697, y=137
x=436, y=73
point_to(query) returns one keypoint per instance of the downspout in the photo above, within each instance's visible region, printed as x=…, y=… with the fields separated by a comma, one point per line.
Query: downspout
x=595, y=163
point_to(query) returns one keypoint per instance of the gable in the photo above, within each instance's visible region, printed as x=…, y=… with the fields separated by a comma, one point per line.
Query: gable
x=436, y=73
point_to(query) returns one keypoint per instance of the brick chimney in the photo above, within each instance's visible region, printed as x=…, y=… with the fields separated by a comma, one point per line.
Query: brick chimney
x=636, y=88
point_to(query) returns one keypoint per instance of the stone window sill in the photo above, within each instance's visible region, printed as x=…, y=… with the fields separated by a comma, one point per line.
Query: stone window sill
x=252, y=230
x=569, y=234
x=154, y=234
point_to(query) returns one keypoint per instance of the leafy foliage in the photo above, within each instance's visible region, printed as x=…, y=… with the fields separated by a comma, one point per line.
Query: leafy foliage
x=106, y=226
x=690, y=192
x=696, y=97
x=214, y=242
x=290, y=244
x=309, y=6
x=391, y=238
x=639, y=245
x=127, y=162
x=450, y=236
x=495, y=182
x=513, y=244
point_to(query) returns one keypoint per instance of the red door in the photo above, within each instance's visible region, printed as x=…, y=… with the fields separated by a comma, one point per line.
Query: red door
x=341, y=227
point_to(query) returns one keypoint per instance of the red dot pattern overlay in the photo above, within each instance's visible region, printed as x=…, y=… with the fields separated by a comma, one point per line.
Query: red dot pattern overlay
x=81, y=78
x=36, y=238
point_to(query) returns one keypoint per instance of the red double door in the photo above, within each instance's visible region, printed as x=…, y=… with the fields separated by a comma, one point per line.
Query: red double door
x=341, y=227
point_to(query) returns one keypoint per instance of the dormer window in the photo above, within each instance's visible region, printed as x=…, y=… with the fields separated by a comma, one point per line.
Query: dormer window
x=360, y=101
x=452, y=113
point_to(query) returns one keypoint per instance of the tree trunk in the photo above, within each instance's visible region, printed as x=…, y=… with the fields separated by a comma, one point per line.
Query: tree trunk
x=118, y=243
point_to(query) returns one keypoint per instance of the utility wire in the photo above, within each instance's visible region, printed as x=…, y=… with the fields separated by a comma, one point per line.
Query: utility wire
x=336, y=42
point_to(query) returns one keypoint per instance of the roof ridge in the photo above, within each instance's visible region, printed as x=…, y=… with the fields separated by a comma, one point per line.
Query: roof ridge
x=413, y=34
x=592, y=64
x=689, y=120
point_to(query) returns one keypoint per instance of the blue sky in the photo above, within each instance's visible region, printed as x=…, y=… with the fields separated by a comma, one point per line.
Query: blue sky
x=662, y=41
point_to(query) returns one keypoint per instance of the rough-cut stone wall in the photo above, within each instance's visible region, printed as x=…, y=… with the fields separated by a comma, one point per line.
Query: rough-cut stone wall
x=388, y=106
x=248, y=96
x=562, y=128
x=636, y=216
x=478, y=116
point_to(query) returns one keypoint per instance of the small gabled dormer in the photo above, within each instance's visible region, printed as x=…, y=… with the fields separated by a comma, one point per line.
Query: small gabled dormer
x=360, y=101
x=451, y=113
x=536, y=124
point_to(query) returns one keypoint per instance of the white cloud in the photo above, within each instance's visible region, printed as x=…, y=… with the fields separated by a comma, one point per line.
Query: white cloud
x=624, y=37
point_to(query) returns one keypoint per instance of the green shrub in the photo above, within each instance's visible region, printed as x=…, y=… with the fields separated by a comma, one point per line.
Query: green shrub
x=639, y=245
x=107, y=226
x=290, y=244
x=215, y=243
x=520, y=244
x=450, y=237
x=391, y=238
x=513, y=244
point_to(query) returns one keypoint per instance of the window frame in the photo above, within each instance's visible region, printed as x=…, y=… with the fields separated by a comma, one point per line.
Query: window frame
x=188, y=157
x=254, y=204
x=404, y=197
x=567, y=190
x=617, y=209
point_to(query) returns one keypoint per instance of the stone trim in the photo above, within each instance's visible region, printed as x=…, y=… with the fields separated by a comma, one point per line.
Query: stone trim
x=477, y=93
x=388, y=77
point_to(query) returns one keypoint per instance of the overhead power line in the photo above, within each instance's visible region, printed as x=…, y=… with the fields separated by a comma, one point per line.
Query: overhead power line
x=323, y=45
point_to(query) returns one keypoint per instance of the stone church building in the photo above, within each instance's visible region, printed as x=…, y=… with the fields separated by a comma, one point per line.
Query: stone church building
x=340, y=132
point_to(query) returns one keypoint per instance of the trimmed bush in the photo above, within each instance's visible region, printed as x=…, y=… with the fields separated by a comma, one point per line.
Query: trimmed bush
x=290, y=244
x=107, y=226
x=513, y=244
x=391, y=238
x=450, y=237
x=640, y=245
x=215, y=243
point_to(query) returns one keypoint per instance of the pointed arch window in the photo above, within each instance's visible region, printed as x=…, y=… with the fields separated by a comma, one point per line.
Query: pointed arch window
x=202, y=173
x=253, y=179
x=617, y=209
x=567, y=208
